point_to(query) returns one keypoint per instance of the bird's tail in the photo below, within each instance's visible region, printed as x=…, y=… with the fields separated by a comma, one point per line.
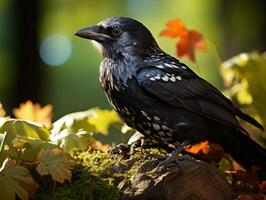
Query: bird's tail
x=245, y=151
x=247, y=118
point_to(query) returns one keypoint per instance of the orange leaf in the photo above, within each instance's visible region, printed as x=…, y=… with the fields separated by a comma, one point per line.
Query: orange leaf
x=34, y=112
x=175, y=29
x=200, y=147
x=189, y=41
x=206, y=151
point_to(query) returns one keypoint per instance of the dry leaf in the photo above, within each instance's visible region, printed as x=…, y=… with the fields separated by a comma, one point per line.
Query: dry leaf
x=34, y=112
x=189, y=41
x=55, y=163
x=200, y=147
x=206, y=151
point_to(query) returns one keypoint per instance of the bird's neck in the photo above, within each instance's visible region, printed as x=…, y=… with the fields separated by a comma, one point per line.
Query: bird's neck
x=115, y=71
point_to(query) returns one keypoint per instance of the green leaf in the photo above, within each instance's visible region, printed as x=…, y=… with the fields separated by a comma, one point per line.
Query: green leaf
x=92, y=120
x=55, y=163
x=70, y=141
x=26, y=128
x=28, y=148
x=16, y=181
x=75, y=130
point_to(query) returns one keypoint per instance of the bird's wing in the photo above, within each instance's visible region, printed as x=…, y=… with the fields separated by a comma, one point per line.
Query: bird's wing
x=183, y=89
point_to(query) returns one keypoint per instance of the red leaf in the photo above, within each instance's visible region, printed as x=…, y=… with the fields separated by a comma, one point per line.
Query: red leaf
x=189, y=41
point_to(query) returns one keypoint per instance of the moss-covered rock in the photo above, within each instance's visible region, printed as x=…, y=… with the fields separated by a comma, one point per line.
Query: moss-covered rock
x=88, y=182
x=95, y=176
x=141, y=174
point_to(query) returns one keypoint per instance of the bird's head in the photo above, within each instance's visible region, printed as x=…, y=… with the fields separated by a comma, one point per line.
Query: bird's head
x=120, y=35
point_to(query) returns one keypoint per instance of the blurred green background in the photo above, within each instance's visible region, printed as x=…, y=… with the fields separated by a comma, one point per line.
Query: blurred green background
x=41, y=59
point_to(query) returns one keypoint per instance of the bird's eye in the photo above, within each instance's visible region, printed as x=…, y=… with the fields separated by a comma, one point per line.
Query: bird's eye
x=116, y=31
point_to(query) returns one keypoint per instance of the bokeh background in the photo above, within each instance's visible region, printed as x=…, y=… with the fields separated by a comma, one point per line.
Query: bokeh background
x=41, y=59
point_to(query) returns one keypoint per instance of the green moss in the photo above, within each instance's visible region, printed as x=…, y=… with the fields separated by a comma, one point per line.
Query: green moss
x=93, y=177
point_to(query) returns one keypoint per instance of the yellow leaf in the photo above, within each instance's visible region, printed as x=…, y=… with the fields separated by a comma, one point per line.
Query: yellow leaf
x=34, y=112
x=102, y=119
x=55, y=163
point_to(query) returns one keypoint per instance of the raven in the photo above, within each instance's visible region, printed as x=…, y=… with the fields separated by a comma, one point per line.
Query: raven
x=162, y=98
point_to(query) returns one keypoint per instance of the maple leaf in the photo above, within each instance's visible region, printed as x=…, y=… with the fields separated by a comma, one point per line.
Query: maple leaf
x=34, y=112
x=16, y=181
x=205, y=150
x=55, y=163
x=175, y=27
x=189, y=40
x=200, y=147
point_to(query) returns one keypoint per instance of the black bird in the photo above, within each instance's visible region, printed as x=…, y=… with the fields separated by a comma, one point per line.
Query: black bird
x=163, y=98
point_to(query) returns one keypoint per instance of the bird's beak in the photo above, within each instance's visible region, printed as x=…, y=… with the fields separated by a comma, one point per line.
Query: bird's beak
x=93, y=33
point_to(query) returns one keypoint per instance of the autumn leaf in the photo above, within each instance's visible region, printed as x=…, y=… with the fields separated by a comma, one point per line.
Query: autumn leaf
x=175, y=27
x=54, y=162
x=34, y=112
x=189, y=40
x=200, y=147
x=207, y=151
x=16, y=181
